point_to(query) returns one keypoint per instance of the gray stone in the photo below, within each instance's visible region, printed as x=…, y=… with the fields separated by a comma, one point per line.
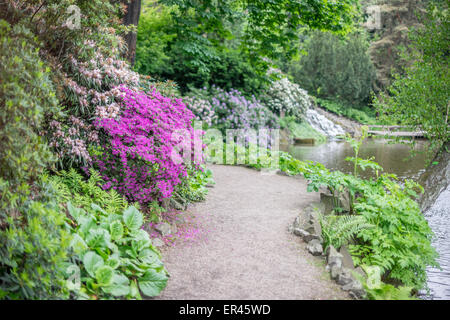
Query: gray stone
x=209, y=185
x=163, y=228
x=157, y=242
x=335, y=271
x=347, y=260
x=301, y=233
x=306, y=236
x=334, y=258
x=344, y=277
x=310, y=237
x=328, y=201
x=344, y=201
x=296, y=223
x=178, y=205
x=314, y=247
x=180, y=219
x=355, y=289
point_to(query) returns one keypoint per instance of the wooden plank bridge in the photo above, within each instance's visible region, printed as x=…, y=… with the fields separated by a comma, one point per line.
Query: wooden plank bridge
x=391, y=131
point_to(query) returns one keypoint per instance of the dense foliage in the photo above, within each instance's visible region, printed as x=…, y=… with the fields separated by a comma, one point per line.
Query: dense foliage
x=114, y=256
x=420, y=98
x=23, y=153
x=365, y=115
x=163, y=53
x=34, y=248
x=335, y=68
x=400, y=240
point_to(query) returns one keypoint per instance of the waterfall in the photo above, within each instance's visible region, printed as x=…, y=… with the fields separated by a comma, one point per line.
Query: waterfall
x=321, y=124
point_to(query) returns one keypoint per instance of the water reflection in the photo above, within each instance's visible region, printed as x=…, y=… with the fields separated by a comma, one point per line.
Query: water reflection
x=394, y=158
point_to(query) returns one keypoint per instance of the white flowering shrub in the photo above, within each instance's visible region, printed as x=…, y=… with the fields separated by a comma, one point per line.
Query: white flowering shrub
x=285, y=96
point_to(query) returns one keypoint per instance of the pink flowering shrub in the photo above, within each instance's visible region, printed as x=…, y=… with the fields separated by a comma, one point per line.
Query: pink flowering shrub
x=136, y=155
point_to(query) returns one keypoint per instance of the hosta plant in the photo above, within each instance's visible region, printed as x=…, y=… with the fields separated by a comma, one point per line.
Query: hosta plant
x=114, y=255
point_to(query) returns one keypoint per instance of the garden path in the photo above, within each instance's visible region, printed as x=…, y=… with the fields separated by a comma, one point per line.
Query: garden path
x=247, y=251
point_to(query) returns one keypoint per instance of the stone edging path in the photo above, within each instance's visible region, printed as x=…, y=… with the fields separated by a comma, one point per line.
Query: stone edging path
x=248, y=253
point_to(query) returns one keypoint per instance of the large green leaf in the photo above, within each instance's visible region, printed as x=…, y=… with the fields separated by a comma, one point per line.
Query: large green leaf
x=113, y=261
x=78, y=244
x=120, y=286
x=76, y=213
x=152, y=283
x=92, y=262
x=132, y=218
x=98, y=238
x=116, y=229
x=149, y=257
x=104, y=275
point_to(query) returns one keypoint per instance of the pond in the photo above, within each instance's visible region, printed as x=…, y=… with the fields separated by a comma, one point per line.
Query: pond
x=394, y=158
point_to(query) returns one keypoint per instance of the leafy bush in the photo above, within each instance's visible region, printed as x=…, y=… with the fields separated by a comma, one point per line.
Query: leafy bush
x=193, y=188
x=86, y=67
x=35, y=246
x=400, y=244
x=23, y=153
x=336, y=69
x=188, y=58
x=136, y=155
x=420, y=97
x=364, y=116
x=285, y=96
x=378, y=290
x=115, y=257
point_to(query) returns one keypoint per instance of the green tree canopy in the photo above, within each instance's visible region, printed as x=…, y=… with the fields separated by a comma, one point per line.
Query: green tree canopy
x=421, y=97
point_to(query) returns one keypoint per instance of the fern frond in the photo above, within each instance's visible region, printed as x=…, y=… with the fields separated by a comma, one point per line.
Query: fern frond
x=339, y=230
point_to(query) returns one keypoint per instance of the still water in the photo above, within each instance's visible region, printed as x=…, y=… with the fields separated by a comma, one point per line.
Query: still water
x=395, y=158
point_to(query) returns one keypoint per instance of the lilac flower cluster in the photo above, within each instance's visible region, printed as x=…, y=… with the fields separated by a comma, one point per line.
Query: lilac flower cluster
x=137, y=152
x=231, y=110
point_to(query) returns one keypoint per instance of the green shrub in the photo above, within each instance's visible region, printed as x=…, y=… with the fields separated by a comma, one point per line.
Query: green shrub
x=26, y=95
x=335, y=68
x=190, y=59
x=400, y=242
x=365, y=116
x=34, y=247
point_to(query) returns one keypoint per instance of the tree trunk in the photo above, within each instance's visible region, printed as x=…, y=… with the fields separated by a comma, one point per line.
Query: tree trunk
x=131, y=17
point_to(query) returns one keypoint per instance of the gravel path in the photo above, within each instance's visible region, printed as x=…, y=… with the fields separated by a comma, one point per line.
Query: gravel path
x=248, y=252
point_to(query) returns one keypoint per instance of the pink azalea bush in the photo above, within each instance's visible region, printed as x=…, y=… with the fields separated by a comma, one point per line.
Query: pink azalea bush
x=136, y=155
